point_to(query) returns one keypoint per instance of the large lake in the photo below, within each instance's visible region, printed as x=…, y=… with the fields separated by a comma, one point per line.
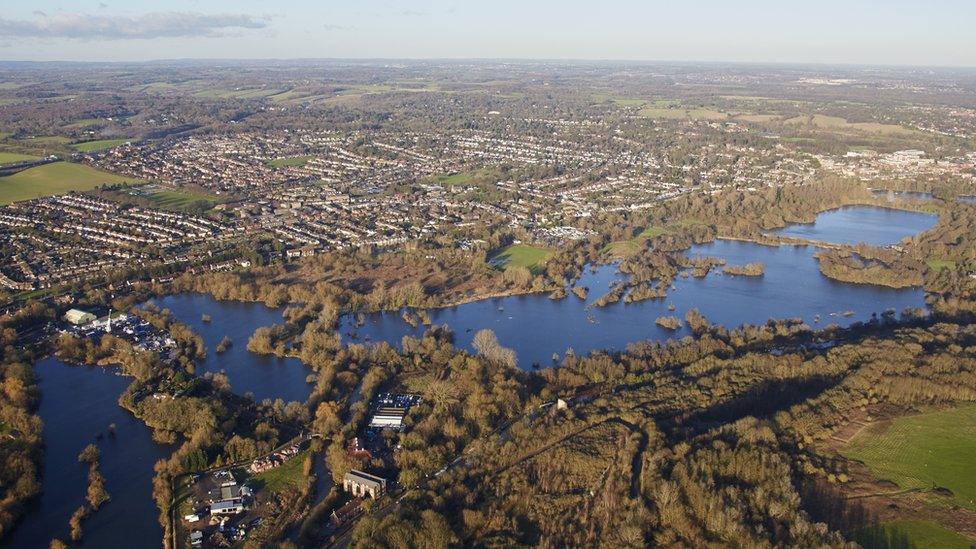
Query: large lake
x=78, y=403
x=536, y=326
x=856, y=224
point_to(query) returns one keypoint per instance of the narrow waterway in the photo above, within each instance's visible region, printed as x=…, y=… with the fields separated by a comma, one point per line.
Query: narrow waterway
x=78, y=405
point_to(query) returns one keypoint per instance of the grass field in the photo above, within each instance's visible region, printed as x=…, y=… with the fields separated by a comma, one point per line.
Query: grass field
x=294, y=161
x=100, y=145
x=473, y=177
x=288, y=475
x=923, y=451
x=10, y=158
x=913, y=533
x=52, y=179
x=47, y=141
x=940, y=264
x=759, y=118
x=521, y=255
x=681, y=113
x=837, y=123
x=181, y=199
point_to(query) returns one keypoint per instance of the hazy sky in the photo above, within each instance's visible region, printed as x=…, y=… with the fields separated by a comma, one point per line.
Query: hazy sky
x=901, y=32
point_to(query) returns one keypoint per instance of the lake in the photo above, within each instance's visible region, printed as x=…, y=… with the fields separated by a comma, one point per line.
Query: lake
x=77, y=404
x=867, y=224
x=263, y=376
x=536, y=326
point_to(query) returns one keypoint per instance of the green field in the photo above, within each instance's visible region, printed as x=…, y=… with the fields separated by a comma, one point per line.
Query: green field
x=294, y=161
x=521, y=255
x=47, y=141
x=940, y=264
x=473, y=177
x=100, y=145
x=837, y=123
x=913, y=533
x=182, y=199
x=683, y=113
x=619, y=101
x=288, y=475
x=52, y=179
x=924, y=451
x=10, y=158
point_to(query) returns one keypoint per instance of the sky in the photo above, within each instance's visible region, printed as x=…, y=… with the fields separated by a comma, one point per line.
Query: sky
x=876, y=32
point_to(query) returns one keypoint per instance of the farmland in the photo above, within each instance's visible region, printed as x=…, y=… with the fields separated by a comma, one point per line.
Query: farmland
x=10, y=158
x=923, y=451
x=823, y=122
x=670, y=109
x=100, y=145
x=52, y=179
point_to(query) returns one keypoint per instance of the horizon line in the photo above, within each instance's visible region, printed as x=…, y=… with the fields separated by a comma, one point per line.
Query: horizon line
x=552, y=60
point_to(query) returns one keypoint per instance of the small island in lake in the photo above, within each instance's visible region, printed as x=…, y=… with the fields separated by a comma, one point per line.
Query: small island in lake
x=750, y=269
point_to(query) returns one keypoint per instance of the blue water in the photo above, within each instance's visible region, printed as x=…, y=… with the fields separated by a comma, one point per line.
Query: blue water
x=263, y=376
x=78, y=403
x=856, y=224
x=536, y=326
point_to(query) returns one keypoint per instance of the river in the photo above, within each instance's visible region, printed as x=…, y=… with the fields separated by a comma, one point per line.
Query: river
x=77, y=404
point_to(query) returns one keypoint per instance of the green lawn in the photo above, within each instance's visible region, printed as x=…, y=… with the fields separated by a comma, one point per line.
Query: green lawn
x=10, y=158
x=100, y=145
x=294, y=161
x=52, y=179
x=923, y=451
x=181, y=199
x=913, y=533
x=940, y=264
x=521, y=255
x=288, y=475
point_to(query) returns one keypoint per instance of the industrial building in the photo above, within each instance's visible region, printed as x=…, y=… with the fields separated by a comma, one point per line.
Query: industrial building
x=359, y=483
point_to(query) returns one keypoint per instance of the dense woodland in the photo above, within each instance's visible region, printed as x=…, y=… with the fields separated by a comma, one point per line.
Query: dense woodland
x=710, y=441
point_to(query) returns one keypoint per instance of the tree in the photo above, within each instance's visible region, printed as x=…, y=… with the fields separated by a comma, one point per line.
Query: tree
x=487, y=345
